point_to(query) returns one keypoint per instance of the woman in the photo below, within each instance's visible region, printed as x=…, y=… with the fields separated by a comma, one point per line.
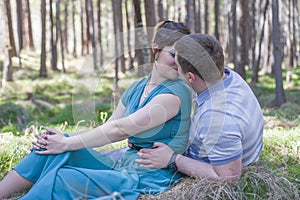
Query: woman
x=155, y=109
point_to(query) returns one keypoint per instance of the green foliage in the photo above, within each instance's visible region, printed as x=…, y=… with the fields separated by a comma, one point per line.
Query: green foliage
x=53, y=92
x=13, y=149
x=10, y=128
x=11, y=113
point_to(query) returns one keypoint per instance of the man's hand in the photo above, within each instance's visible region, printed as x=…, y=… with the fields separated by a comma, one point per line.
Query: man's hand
x=158, y=157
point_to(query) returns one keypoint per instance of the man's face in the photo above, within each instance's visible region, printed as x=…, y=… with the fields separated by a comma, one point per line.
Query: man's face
x=183, y=75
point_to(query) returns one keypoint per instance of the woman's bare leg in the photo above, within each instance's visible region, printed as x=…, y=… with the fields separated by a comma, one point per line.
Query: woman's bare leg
x=13, y=183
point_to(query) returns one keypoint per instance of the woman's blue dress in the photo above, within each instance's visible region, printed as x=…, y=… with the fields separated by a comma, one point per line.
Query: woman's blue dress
x=88, y=174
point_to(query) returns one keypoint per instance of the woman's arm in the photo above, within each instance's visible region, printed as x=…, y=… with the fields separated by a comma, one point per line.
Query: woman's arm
x=159, y=110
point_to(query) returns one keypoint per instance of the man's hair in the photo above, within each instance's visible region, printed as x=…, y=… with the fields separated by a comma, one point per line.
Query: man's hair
x=166, y=33
x=201, y=54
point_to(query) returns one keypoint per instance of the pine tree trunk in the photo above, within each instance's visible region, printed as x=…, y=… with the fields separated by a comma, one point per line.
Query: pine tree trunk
x=99, y=31
x=20, y=23
x=82, y=27
x=88, y=39
x=128, y=36
x=138, y=24
x=92, y=32
x=65, y=35
x=198, y=24
x=160, y=10
x=217, y=16
x=190, y=14
x=30, y=36
x=206, y=16
x=294, y=42
x=254, y=37
x=179, y=10
x=244, y=35
x=74, y=30
x=150, y=18
x=119, y=21
x=280, y=96
x=234, y=34
x=7, y=74
x=257, y=61
x=116, y=79
x=59, y=35
x=53, y=40
x=43, y=69
x=9, y=27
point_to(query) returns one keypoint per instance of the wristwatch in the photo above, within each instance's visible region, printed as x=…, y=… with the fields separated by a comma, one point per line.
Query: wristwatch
x=172, y=163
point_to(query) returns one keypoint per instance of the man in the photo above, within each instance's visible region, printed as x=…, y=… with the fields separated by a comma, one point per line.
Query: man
x=227, y=125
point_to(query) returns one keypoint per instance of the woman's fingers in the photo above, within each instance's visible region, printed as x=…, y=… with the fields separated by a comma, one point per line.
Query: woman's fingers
x=52, y=131
x=38, y=146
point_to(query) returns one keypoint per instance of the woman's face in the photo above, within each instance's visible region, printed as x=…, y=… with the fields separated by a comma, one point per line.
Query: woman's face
x=166, y=65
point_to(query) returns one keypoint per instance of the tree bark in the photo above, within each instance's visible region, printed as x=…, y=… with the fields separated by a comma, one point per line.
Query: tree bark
x=74, y=30
x=280, y=96
x=189, y=20
x=217, y=16
x=128, y=36
x=257, y=61
x=53, y=40
x=43, y=69
x=120, y=35
x=9, y=27
x=138, y=35
x=7, y=66
x=65, y=30
x=234, y=34
x=59, y=35
x=30, y=37
x=150, y=18
x=116, y=79
x=206, y=16
x=88, y=39
x=198, y=24
x=244, y=35
x=254, y=37
x=99, y=31
x=92, y=32
x=160, y=10
x=20, y=16
x=82, y=27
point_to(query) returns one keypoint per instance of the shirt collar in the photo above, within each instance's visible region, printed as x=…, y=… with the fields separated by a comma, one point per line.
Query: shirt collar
x=203, y=96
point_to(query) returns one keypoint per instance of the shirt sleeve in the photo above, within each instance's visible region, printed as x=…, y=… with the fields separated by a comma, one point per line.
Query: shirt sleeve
x=221, y=137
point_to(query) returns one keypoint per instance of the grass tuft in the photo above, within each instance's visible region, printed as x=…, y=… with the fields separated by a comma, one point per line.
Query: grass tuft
x=257, y=182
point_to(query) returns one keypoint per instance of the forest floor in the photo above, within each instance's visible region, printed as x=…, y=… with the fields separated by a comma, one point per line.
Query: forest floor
x=79, y=100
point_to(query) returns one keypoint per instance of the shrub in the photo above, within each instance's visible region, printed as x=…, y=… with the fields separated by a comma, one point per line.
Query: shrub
x=11, y=113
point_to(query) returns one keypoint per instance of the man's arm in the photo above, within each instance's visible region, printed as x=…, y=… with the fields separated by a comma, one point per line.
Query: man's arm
x=191, y=167
x=159, y=157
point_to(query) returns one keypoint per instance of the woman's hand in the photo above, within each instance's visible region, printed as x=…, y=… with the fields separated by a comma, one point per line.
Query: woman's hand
x=51, y=141
x=54, y=144
x=158, y=157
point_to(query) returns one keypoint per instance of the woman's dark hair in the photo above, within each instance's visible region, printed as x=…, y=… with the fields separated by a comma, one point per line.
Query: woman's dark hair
x=166, y=33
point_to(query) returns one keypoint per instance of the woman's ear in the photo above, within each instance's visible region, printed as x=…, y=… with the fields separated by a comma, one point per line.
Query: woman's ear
x=154, y=49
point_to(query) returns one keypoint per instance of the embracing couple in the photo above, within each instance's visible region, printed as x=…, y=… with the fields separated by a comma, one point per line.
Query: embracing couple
x=223, y=136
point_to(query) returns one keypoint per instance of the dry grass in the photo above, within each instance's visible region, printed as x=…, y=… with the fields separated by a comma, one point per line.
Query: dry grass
x=257, y=182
